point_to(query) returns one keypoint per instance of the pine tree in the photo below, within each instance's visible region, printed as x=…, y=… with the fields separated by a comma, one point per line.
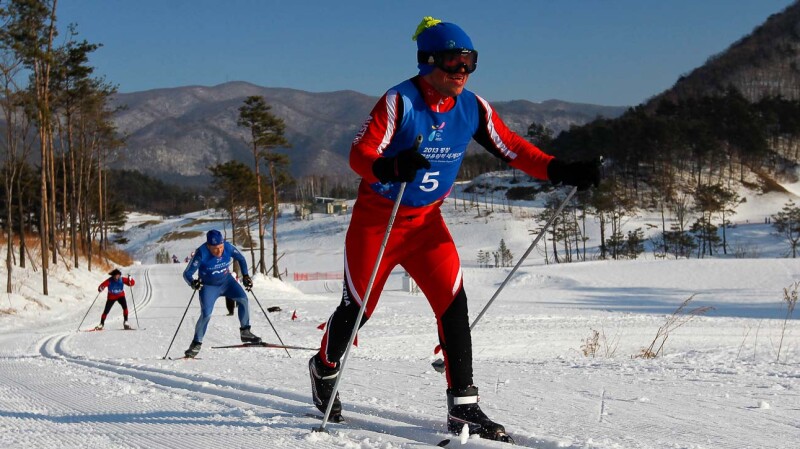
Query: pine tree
x=236, y=181
x=634, y=243
x=266, y=134
x=504, y=254
x=483, y=258
x=787, y=222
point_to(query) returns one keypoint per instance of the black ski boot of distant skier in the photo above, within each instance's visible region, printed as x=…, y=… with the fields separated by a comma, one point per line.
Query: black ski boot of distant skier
x=323, y=379
x=247, y=336
x=463, y=408
x=193, y=350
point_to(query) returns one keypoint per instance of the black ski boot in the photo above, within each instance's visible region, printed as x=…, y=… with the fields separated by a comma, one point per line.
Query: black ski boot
x=463, y=408
x=322, y=380
x=247, y=336
x=193, y=350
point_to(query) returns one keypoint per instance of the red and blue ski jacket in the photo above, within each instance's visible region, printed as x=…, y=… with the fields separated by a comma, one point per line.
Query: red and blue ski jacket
x=447, y=125
x=116, y=287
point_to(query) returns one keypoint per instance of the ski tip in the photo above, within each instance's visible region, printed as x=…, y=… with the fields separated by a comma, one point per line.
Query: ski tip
x=444, y=442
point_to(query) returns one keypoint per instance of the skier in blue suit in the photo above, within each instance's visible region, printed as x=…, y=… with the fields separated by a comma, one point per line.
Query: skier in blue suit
x=212, y=262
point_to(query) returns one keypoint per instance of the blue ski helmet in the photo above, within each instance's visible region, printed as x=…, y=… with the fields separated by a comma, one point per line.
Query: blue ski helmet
x=434, y=36
x=214, y=237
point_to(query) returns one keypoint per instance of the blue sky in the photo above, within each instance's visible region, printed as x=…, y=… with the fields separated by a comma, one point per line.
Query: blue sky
x=611, y=52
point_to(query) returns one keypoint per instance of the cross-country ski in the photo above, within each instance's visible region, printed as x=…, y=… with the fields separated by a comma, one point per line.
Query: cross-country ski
x=264, y=344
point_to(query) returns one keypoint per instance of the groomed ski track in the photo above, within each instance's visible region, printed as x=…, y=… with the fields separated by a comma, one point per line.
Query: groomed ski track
x=123, y=404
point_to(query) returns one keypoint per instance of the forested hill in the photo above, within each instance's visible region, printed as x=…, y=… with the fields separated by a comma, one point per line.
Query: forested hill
x=764, y=63
x=733, y=123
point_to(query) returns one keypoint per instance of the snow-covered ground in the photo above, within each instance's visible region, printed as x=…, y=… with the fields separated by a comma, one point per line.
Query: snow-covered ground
x=718, y=383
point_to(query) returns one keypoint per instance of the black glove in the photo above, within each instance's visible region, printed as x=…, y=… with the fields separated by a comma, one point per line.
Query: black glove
x=582, y=174
x=196, y=284
x=247, y=281
x=401, y=168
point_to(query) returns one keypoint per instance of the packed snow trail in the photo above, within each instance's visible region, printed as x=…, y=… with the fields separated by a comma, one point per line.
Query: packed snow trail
x=718, y=385
x=66, y=400
x=79, y=392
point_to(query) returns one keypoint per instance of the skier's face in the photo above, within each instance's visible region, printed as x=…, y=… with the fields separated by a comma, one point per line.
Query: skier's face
x=447, y=84
x=216, y=250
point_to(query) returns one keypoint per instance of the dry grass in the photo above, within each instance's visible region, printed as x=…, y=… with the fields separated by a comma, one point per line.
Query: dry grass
x=768, y=183
x=201, y=220
x=591, y=344
x=182, y=235
x=678, y=318
x=790, y=298
x=120, y=257
x=599, y=343
x=112, y=257
x=148, y=223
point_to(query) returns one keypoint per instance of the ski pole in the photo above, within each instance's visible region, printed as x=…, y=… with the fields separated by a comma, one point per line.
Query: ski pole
x=87, y=312
x=361, y=309
x=179, y=325
x=438, y=365
x=269, y=321
x=525, y=256
x=133, y=300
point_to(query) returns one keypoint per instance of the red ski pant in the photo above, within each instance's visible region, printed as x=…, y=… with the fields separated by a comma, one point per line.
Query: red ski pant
x=422, y=245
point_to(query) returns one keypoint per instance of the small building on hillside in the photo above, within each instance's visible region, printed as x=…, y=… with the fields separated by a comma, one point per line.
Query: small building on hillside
x=325, y=205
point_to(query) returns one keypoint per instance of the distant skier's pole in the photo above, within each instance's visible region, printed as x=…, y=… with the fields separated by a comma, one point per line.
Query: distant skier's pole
x=372, y=277
x=133, y=300
x=179, y=325
x=269, y=321
x=438, y=365
x=87, y=312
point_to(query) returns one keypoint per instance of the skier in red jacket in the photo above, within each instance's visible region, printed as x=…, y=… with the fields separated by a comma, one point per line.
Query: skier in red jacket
x=435, y=105
x=116, y=293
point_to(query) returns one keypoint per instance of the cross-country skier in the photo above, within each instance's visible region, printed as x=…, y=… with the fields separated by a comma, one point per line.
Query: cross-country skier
x=116, y=294
x=436, y=105
x=212, y=262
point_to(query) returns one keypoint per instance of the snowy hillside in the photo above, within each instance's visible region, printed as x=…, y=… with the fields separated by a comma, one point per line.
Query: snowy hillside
x=718, y=383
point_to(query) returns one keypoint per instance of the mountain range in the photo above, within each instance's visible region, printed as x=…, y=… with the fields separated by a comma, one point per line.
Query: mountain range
x=175, y=134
